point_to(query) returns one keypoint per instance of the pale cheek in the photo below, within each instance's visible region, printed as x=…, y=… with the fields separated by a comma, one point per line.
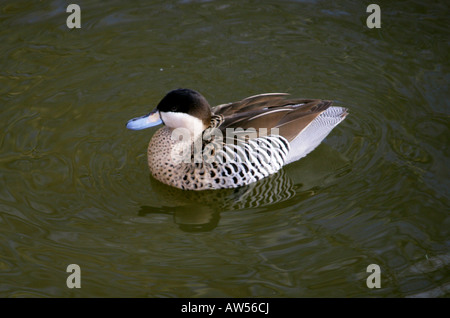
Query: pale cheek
x=178, y=120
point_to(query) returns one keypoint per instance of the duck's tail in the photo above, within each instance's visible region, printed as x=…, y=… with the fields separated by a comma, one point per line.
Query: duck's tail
x=310, y=137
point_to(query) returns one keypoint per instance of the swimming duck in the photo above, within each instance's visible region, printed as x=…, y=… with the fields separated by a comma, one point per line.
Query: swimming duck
x=228, y=146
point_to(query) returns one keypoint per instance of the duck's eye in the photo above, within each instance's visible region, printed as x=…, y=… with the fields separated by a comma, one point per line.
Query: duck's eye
x=173, y=109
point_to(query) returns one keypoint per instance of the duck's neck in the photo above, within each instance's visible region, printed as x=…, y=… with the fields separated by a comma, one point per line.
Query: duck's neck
x=181, y=123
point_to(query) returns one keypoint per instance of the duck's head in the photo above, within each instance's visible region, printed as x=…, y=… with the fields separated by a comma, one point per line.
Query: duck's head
x=180, y=108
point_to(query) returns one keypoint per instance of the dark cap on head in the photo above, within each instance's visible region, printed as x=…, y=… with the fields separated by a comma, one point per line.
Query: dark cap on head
x=184, y=100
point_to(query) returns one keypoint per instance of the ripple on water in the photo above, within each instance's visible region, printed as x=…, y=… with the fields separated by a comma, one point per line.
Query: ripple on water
x=75, y=186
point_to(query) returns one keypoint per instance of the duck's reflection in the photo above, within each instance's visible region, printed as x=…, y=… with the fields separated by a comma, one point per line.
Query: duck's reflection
x=200, y=210
x=195, y=211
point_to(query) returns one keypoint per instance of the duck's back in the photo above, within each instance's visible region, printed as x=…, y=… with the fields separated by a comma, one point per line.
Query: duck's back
x=303, y=122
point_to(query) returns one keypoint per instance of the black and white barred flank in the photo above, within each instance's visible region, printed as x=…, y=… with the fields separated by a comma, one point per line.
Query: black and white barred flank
x=234, y=165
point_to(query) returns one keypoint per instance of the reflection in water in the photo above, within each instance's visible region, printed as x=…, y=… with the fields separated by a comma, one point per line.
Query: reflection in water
x=200, y=210
x=190, y=218
x=72, y=179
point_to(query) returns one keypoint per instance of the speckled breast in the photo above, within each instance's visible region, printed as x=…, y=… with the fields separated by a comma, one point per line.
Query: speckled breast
x=172, y=162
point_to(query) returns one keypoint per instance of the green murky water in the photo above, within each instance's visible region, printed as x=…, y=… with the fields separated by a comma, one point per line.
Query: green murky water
x=75, y=187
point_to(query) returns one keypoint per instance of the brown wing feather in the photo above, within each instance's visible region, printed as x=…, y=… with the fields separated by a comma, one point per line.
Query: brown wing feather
x=249, y=103
x=294, y=122
x=269, y=111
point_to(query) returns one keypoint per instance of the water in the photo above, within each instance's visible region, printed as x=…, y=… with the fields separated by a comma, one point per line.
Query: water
x=75, y=187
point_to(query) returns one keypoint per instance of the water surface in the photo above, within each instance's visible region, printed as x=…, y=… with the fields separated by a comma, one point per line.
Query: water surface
x=75, y=187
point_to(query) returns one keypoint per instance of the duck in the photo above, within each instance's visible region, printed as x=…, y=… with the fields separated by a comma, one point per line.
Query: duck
x=231, y=145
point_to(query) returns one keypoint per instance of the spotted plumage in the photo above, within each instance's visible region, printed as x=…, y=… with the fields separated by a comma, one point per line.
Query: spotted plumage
x=233, y=144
